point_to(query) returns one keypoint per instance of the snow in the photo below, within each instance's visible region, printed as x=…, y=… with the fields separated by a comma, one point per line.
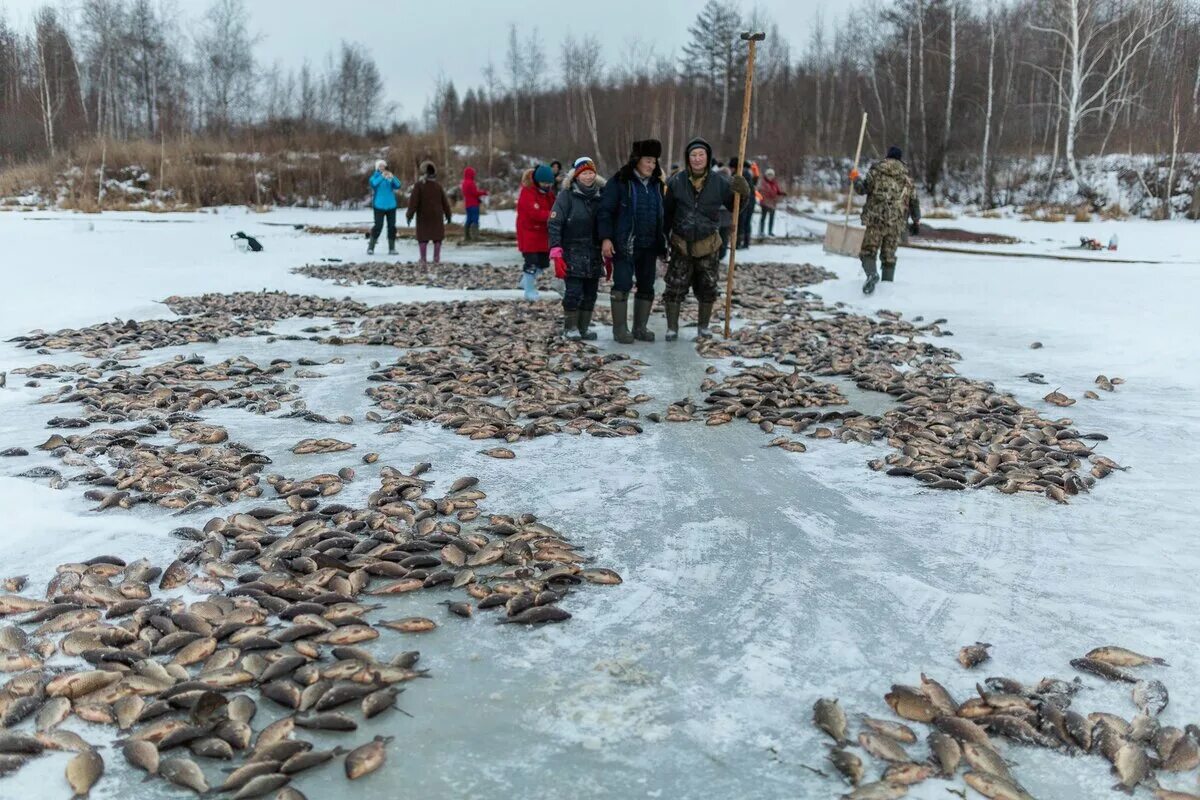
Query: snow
x=755, y=580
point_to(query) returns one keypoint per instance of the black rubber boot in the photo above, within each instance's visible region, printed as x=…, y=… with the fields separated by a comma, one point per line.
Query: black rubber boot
x=371, y=247
x=570, y=327
x=672, y=321
x=641, y=315
x=702, y=331
x=392, y=247
x=620, y=315
x=889, y=271
x=585, y=321
x=868, y=265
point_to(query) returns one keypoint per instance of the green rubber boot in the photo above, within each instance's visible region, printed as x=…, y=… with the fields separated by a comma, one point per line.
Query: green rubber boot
x=641, y=315
x=620, y=315
x=672, y=321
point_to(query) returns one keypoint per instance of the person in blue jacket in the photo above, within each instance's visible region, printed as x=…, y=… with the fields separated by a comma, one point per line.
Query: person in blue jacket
x=630, y=226
x=384, y=186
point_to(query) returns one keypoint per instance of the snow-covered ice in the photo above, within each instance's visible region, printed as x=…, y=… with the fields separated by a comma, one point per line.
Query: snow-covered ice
x=755, y=580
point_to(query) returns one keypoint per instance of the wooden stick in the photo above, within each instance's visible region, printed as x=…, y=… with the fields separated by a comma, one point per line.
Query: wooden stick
x=754, y=39
x=857, y=155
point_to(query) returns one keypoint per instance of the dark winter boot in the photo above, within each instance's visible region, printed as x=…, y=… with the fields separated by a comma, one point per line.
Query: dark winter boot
x=868, y=265
x=672, y=321
x=571, y=324
x=641, y=315
x=889, y=271
x=702, y=331
x=371, y=246
x=585, y=321
x=620, y=315
x=392, y=247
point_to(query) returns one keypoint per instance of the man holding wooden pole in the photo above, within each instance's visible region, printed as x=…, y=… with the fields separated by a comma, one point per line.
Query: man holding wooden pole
x=692, y=208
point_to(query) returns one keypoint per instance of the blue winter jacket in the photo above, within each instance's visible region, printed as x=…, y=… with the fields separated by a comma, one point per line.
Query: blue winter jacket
x=631, y=214
x=385, y=191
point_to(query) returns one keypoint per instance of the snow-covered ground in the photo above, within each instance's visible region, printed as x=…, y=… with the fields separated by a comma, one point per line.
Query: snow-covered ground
x=755, y=580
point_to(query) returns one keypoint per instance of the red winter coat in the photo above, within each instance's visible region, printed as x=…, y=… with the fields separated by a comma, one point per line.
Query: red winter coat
x=533, y=214
x=771, y=192
x=470, y=192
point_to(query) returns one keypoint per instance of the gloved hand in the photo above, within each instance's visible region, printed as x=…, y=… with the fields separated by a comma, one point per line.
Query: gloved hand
x=741, y=185
x=853, y=175
x=915, y=228
x=560, y=266
x=608, y=264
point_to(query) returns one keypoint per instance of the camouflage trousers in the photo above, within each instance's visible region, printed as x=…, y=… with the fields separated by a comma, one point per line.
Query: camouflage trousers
x=881, y=239
x=698, y=273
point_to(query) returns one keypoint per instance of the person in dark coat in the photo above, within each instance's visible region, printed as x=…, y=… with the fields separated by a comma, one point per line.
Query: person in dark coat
x=692, y=209
x=632, y=235
x=533, y=213
x=430, y=205
x=384, y=186
x=575, y=246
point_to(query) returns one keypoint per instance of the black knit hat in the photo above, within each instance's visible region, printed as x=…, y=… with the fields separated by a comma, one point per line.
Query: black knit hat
x=895, y=152
x=646, y=148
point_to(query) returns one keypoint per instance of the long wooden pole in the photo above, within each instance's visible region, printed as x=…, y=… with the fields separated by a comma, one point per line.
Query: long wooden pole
x=857, y=155
x=737, y=198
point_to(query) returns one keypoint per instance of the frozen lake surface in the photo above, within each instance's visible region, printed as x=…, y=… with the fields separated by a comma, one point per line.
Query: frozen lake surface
x=756, y=580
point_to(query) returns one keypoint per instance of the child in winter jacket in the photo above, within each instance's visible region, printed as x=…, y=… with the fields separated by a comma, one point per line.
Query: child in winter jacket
x=533, y=213
x=472, y=195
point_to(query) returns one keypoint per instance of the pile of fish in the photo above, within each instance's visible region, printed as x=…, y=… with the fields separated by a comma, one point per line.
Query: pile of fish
x=278, y=645
x=128, y=338
x=1004, y=712
x=446, y=275
x=454, y=231
x=513, y=389
x=948, y=431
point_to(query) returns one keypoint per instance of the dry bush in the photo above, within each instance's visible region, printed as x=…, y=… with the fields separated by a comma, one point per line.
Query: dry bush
x=1083, y=214
x=939, y=213
x=1114, y=212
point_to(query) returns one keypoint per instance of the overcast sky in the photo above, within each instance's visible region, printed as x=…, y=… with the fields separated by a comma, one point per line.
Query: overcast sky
x=413, y=44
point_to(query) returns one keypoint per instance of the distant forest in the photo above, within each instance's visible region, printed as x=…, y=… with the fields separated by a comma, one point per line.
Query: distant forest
x=950, y=81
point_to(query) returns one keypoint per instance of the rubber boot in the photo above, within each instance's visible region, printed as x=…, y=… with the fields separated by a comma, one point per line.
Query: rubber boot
x=868, y=265
x=392, y=247
x=641, y=315
x=889, y=271
x=529, y=284
x=570, y=328
x=371, y=246
x=620, y=315
x=702, y=331
x=585, y=321
x=672, y=321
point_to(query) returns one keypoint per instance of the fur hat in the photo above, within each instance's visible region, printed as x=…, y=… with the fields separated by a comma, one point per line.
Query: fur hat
x=646, y=148
x=380, y=165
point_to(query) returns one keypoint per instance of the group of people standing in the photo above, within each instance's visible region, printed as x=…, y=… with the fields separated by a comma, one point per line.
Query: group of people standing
x=621, y=229
x=427, y=203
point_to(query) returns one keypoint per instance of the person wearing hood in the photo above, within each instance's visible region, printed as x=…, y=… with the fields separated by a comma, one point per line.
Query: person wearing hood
x=384, y=186
x=534, y=204
x=692, y=207
x=575, y=246
x=472, y=196
x=430, y=205
x=891, y=201
x=630, y=223
x=769, y=192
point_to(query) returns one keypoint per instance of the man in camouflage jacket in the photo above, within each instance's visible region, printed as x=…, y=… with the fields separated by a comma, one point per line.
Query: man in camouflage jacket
x=891, y=202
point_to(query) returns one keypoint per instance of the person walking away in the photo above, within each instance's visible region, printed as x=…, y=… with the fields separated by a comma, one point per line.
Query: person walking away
x=632, y=235
x=575, y=246
x=746, y=208
x=430, y=205
x=384, y=186
x=533, y=213
x=692, y=209
x=891, y=200
x=472, y=197
x=770, y=192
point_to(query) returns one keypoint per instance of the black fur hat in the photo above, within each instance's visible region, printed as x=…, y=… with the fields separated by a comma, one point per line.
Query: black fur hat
x=646, y=148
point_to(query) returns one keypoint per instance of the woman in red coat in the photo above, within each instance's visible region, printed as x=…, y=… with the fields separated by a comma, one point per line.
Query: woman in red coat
x=533, y=215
